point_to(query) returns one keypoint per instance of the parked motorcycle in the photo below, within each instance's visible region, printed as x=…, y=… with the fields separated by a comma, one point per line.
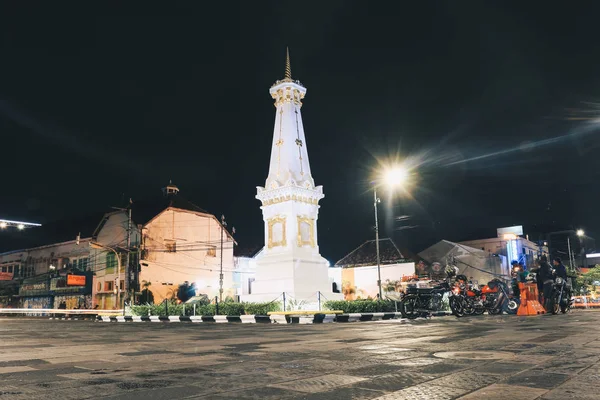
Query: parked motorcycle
x=423, y=301
x=466, y=299
x=496, y=298
x=561, y=299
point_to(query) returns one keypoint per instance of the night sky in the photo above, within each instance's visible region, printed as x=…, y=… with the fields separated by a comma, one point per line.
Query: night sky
x=493, y=103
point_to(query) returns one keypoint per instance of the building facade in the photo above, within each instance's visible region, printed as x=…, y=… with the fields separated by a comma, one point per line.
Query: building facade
x=171, y=242
x=39, y=274
x=511, y=244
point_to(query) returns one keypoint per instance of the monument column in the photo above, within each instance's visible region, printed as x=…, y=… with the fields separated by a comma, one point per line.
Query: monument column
x=290, y=261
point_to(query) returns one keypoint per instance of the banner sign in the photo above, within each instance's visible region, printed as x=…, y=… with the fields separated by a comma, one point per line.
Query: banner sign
x=75, y=280
x=6, y=276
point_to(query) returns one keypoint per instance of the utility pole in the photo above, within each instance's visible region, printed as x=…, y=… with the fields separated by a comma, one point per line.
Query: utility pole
x=223, y=225
x=138, y=266
x=127, y=269
x=571, y=261
x=127, y=266
x=376, y=201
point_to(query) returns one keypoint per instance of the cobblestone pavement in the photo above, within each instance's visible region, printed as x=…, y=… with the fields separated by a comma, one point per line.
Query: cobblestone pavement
x=487, y=357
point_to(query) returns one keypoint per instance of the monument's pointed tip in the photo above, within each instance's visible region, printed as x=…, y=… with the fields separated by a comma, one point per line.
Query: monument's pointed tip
x=288, y=67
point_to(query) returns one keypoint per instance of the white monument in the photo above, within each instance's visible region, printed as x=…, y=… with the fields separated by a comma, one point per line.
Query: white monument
x=290, y=261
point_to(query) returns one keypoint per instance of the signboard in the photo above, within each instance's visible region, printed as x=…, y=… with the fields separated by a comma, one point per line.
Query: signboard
x=75, y=280
x=6, y=276
x=515, y=230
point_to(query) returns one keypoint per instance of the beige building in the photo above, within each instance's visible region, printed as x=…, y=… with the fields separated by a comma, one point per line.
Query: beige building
x=172, y=241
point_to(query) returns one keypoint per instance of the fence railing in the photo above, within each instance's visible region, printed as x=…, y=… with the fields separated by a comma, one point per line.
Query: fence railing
x=54, y=312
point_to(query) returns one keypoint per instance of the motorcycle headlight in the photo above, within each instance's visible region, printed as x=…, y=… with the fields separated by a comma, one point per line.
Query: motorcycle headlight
x=559, y=280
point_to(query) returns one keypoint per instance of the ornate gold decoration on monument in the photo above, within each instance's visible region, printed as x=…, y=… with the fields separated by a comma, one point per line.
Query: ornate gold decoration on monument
x=276, y=232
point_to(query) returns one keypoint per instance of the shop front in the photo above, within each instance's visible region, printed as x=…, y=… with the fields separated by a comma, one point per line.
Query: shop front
x=35, y=294
x=72, y=291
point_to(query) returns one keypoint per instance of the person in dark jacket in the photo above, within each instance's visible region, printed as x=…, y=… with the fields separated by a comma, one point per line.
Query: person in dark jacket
x=559, y=269
x=547, y=279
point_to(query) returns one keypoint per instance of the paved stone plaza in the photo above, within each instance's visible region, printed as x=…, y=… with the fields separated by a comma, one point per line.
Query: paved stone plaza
x=508, y=357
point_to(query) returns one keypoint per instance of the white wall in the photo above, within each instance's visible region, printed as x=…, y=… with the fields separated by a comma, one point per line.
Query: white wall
x=197, y=257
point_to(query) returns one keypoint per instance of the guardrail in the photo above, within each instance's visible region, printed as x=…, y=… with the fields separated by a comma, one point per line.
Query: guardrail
x=586, y=302
x=54, y=312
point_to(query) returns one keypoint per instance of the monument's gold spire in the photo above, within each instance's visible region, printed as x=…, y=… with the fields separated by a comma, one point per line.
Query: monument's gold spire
x=288, y=67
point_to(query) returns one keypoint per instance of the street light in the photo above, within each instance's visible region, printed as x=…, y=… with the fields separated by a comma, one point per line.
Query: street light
x=580, y=232
x=392, y=177
x=96, y=245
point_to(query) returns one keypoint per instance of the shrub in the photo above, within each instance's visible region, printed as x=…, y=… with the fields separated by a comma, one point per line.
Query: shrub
x=361, y=306
x=225, y=308
x=261, y=308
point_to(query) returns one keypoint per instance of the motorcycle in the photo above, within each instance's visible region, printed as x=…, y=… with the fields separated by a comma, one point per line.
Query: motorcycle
x=561, y=300
x=423, y=301
x=466, y=299
x=496, y=298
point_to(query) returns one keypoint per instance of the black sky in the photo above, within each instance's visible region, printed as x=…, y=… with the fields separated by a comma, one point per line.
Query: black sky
x=98, y=104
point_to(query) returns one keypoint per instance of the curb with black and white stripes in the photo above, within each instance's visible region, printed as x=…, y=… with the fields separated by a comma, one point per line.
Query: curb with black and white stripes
x=258, y=319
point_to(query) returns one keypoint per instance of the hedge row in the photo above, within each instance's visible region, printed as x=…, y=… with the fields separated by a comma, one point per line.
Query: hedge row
x=361, y=306
x=226, y=308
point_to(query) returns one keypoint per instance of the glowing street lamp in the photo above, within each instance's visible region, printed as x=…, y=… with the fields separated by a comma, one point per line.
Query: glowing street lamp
x=392, y=177
x=5, y=223
x=580, y=232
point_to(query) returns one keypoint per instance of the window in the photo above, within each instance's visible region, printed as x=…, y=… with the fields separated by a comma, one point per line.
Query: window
x=99, y=287
x=111, y=263
x=212, y=251
x=3, y=269
x=121, y=285
x=10, y=269
x=16, y=270
x=171, y=246
x=82, y=264
x=108, y=286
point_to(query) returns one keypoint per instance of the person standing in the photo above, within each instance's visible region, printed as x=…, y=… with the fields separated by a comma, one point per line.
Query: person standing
x=547, y=279
x=559, y=269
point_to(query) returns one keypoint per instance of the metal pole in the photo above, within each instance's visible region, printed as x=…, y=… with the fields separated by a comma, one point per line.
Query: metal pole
x=570, y=257
x=126, y=285
x=216, y=305
x=376, y=200
x=118, y=277
x=283, y=301
x=221, y=273
x=319, y=296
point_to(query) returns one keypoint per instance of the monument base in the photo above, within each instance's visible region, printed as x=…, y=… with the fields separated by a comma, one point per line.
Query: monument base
x=304, y=282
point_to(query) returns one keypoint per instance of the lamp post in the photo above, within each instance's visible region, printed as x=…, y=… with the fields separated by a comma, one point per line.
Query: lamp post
x=581, y=235
x=393, y=177
x=96, y=245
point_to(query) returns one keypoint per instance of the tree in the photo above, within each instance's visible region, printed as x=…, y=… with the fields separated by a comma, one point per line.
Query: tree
x=590, y=278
